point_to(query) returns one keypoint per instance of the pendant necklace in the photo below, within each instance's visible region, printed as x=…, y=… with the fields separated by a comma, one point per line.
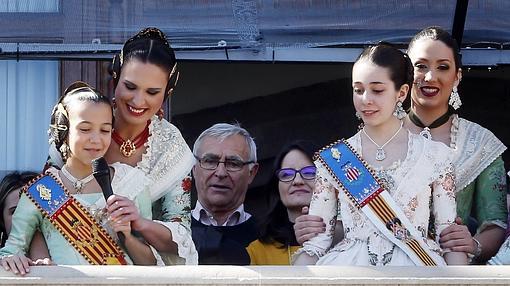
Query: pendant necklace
x=380, y=154
x=128, y=147
x=438, y=122
x=77, y=184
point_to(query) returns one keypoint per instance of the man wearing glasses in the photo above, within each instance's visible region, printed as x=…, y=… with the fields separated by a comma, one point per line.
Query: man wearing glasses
x=226, y=164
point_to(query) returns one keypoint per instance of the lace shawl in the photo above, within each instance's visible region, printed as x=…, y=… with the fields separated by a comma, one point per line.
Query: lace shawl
x=167, y=159
x=166, y=163
x=475, y=149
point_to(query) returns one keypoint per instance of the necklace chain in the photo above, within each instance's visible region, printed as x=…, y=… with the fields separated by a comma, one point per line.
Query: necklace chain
x=380, y=154
x=77, y=184
x=438, y=122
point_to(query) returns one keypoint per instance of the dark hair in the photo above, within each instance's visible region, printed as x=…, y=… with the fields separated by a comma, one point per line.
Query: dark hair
x=59, y=122
x=438, y=34
x=11, y=182
x=276, y=226
x=148, y=46
x=397, y=62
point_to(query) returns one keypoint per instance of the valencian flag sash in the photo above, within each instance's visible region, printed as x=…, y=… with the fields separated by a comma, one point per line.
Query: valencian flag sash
x=74, y=222
x=361, y=185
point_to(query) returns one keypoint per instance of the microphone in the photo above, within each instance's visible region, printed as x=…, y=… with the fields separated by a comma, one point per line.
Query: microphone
x=101, y=172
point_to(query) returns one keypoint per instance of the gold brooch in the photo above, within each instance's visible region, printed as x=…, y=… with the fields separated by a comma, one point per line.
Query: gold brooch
x=127, y=148
x=335, y=153
x=44, y=192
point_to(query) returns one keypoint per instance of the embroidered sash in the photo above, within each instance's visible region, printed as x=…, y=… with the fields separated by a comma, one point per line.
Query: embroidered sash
x=363, y=188
x=74, y=222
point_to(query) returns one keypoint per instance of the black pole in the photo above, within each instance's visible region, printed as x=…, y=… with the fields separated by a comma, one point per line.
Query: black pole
x=459, y=20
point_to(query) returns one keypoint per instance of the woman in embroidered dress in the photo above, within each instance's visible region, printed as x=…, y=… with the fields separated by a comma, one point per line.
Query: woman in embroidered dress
x=144, y=76
x=503, y=255
x=479, y=170
x=81, y=126
x=290, y=188
x=415, y=172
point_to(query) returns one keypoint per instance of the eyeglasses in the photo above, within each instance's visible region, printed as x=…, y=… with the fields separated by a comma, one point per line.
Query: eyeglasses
x=211, y=163
x=288, y=174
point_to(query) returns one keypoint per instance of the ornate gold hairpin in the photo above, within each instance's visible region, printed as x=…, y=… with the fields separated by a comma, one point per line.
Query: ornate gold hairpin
x=61, y=109
x=59, y=127
x=174, y=70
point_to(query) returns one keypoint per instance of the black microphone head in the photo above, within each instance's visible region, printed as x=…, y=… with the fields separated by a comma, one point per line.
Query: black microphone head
x=100, y=166
x=101, y=172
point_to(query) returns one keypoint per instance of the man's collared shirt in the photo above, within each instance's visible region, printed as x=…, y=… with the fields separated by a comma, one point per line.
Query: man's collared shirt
x=238, y=216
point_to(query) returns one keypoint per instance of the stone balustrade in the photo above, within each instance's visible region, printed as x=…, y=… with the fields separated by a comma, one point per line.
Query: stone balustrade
x=259, y=275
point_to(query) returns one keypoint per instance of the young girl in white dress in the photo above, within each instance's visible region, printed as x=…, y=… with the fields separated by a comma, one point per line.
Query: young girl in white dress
x=416, y=172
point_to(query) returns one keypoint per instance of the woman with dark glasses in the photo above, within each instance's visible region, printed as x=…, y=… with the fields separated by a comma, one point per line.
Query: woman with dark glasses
x=290, y=189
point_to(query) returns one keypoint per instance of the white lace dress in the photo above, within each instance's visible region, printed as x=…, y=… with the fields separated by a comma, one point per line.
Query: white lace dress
x=409, y=182
x=167, y=166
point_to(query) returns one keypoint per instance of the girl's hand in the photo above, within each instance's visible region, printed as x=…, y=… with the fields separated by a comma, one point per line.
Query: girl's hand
x=18, y=264
x=123, y=213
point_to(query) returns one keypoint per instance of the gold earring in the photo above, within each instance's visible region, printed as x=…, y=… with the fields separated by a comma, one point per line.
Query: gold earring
x=64, y=150
x=160, y=113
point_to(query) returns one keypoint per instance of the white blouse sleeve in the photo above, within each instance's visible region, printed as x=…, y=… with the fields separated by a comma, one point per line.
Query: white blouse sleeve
x=324, y=203
x=443, y=200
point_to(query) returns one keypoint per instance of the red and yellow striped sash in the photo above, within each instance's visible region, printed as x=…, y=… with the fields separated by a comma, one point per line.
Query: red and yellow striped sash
x=74, y=222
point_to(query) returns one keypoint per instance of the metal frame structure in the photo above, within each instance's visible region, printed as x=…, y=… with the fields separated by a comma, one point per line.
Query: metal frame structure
x=248, y=30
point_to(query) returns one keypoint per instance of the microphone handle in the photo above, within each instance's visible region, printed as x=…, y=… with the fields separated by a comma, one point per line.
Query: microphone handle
x=104, y=182
x=122, y=237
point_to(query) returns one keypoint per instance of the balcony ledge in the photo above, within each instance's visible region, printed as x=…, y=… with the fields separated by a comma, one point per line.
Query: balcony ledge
x=258, y=275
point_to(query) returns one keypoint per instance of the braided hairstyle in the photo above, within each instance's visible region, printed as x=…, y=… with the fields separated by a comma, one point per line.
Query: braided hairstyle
x=59, y=122
x=10, y=183
x=148, y=46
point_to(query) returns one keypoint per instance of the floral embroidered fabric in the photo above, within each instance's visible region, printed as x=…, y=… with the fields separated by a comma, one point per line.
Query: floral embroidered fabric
x=167, y=164
x=475, y=149
x=479, y=174
x=427, y=164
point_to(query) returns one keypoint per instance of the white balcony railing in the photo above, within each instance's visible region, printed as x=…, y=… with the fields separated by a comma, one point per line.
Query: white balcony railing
x=261, y=275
